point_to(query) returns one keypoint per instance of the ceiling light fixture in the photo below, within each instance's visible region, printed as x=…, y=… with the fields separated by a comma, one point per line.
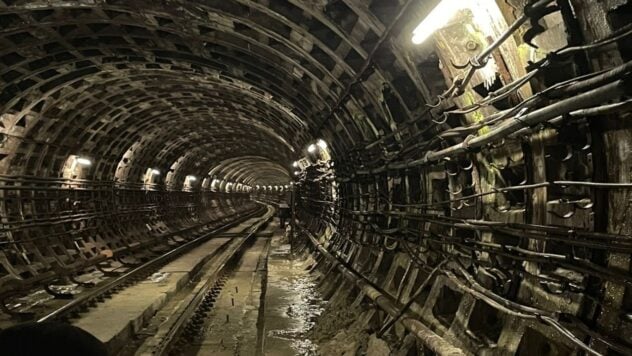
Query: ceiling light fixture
x=83, y=161
x=436, y=19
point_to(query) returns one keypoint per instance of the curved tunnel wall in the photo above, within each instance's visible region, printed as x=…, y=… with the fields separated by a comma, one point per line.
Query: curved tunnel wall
x=512, y=208
x=429, y=164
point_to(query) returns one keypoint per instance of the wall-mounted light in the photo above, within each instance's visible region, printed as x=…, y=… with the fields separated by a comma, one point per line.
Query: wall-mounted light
x=296, y=173
x=436, y=19
x=83, y=161
x=295, y=164
x=486, y=17
x=311, y=148
x=322, y=144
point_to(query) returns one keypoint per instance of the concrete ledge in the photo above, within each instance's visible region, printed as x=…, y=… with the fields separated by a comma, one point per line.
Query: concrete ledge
x=118, y=318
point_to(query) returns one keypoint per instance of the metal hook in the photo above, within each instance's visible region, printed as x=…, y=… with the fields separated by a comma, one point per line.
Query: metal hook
x=568, y=215
x=468, y=167
x=458, y=191
x=588, y=144
x=449, y=171
x=460, y=207
x=443, y=121
x=569, y=154
x=584, y=204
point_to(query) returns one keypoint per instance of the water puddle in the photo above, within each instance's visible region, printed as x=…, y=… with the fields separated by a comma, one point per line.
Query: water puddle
x=293, y=303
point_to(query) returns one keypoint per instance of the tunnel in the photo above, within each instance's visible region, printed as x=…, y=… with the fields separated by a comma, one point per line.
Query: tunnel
x=316, y=177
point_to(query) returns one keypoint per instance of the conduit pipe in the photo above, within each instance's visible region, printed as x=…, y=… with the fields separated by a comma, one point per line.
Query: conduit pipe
x=581, y=101
x=586, y=100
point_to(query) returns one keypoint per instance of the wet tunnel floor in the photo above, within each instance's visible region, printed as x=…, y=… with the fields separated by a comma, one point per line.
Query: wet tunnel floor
x=267, y=306
x=292, y=303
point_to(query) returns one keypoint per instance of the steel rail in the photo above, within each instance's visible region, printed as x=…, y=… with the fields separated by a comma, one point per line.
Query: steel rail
x=186, y=310
x=97, y=291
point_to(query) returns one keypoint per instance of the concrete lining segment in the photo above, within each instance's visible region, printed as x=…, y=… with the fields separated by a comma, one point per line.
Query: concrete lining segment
x=118, y=318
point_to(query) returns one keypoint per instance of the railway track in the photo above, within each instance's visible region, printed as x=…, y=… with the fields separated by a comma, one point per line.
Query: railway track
x=103, y=285
x=116, y=309
x=92, y=296
x=199, y=268
x=176, y=326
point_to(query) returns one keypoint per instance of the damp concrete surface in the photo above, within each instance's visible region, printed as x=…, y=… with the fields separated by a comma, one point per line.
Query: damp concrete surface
x=292, y=303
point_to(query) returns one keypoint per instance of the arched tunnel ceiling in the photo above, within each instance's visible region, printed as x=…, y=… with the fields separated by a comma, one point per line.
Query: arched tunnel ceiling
x=251, y=170
x=511, y=186
x=194, y=82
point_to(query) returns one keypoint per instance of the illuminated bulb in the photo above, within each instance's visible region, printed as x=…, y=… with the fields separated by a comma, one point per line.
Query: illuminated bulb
x=155, y=172
x=311, y=148
x=296, y=173
x=295, y=164
x=437, y=18
x=322, y=144
x=83, y=161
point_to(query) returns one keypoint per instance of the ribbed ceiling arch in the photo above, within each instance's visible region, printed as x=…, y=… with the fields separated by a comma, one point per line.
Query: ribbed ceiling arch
x=138, y=84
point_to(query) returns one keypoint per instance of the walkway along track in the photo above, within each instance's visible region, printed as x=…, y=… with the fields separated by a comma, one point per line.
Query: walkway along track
x=184, y=320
